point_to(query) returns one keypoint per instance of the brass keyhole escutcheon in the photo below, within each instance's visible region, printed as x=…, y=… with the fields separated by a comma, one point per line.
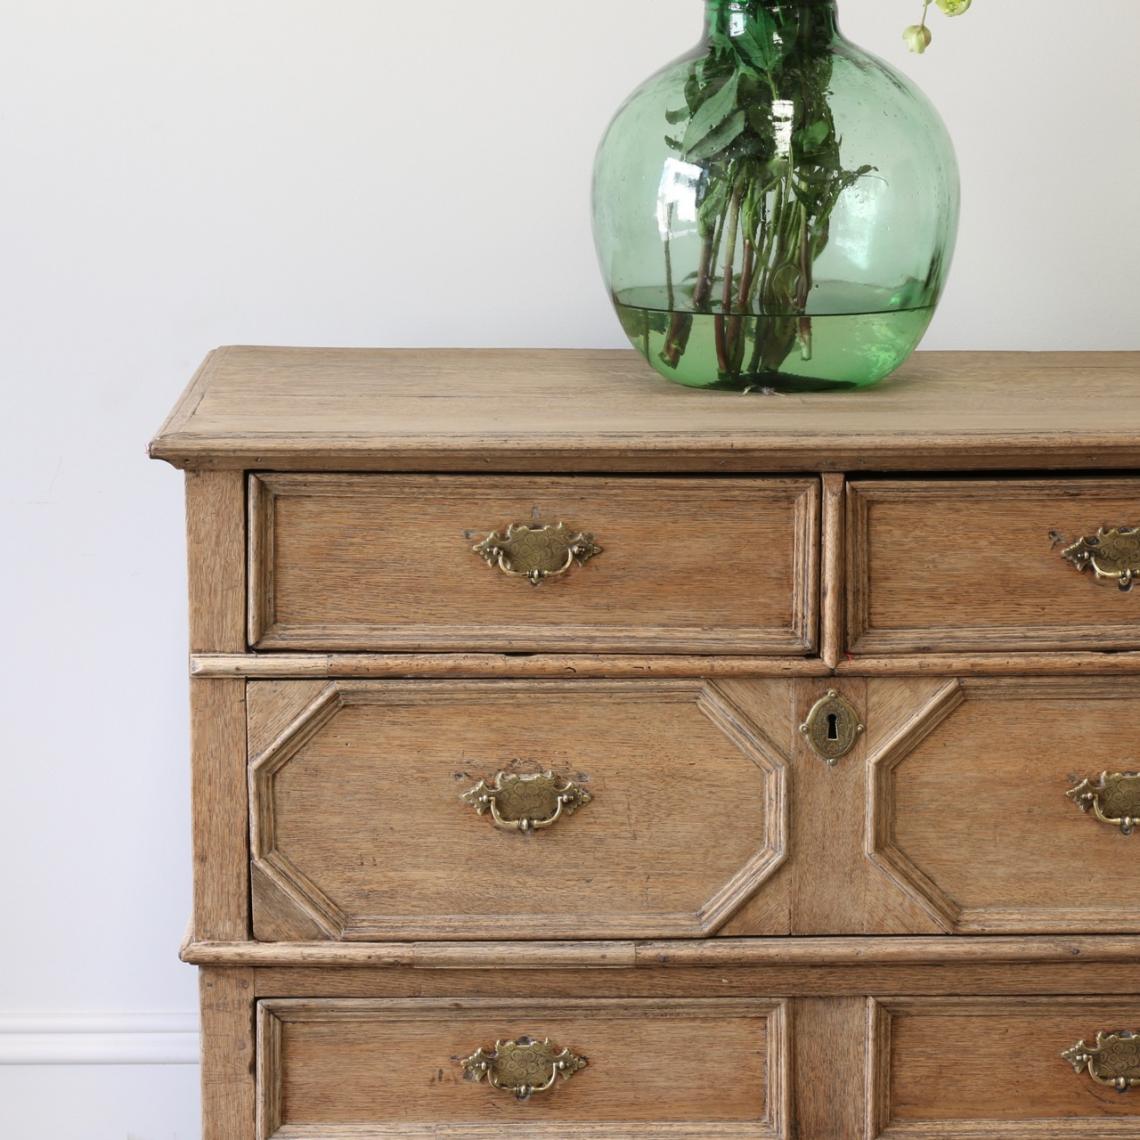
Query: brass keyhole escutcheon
x=832, y=727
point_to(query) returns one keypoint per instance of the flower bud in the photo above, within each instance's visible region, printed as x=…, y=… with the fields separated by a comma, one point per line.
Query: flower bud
x=917, y=38
x=953, y=7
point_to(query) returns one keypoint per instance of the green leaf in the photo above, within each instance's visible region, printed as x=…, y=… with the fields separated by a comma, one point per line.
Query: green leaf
x=710, y=116
x=719, y=139
x=757, y=44
x=678, y=116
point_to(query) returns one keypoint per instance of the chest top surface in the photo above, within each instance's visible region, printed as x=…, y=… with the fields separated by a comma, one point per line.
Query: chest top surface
x=604, y=411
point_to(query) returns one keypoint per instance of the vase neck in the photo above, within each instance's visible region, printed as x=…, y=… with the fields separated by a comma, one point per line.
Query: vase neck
x=808, y=21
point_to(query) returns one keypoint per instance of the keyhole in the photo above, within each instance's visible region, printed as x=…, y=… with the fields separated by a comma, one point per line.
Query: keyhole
x=832, y=726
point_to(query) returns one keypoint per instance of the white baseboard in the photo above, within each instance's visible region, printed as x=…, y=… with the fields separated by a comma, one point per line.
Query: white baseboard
x=98, y=1039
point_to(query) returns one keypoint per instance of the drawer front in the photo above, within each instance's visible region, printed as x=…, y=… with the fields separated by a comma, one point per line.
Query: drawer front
x=958, y=1068
x=981, y=565
x=668, y=565
x=638, y=1069
x=985, y=796
x=465, y=810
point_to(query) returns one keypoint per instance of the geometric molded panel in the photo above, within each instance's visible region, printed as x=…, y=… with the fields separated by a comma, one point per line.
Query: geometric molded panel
x=358, y=825
x=968, y=809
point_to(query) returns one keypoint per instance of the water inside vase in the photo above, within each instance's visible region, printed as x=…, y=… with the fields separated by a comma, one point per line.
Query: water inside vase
x=851, y=336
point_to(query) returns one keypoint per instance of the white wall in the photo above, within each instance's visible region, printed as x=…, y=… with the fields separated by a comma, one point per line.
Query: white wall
x=177, y=174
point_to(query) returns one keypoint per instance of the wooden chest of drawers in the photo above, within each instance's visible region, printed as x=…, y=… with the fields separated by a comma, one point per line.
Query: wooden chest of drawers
x=575, y=756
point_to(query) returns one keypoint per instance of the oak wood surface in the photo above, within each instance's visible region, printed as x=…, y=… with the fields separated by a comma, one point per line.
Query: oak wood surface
x=975, y=565
x=832, y=548
x=228, y=1049
x=357, y=817
x=1056, y=978
x=714, y=955
x=979, y=1066
x=435, y=665
x=215, y=531
x=391, y=1068
x=523, y=410
x=386, y=563
x=219, y=806
x=968, y=809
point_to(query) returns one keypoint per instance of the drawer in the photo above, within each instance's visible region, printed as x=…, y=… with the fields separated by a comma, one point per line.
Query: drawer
x=510, y=810
x=980, y=565
x=985, y=795
x=373, y=1068
x=665, y=565
x=992, y=1068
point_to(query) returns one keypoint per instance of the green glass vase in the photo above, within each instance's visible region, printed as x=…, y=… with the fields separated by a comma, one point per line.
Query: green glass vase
x=777, y=209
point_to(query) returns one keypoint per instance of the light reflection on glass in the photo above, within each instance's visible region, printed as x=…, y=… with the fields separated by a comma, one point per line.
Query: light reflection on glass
x=783, y=119
x=677, y=196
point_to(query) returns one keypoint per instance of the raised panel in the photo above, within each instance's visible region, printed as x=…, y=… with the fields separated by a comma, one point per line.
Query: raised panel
x=976, y=565
x=969, y=810
x=372, y=1069
x=979, y=1068
x=387, y=563
x=359, y=825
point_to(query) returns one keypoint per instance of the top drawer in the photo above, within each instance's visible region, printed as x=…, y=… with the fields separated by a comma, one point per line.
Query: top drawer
x=989, y=565
x=387, y=563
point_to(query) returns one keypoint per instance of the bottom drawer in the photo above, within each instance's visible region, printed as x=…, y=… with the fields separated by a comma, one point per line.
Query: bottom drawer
x=366, y=1068
x=958, y=1068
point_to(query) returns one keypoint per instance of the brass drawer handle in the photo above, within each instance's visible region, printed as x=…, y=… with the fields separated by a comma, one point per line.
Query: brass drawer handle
x=1115, y=800
x=1113, y=555
x=526, y=802
x=523, y=1067
x=537, y=553
x=1114, y=1060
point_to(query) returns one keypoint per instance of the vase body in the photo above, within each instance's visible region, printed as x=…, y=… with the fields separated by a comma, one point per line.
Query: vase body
x=776, y=209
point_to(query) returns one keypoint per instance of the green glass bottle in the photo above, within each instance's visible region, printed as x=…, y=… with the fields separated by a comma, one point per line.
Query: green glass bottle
x=777, y=209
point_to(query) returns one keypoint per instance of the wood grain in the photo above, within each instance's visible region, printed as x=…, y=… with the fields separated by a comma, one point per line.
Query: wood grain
x=828, y=1043
x=981, y=1067
x=522, y=410
x=215, y=528
x=833, y=634
x=712, y=955
x=975, y=565
x=969, y=808
x=390, y=1068
x=358, y=801
x=435, y=665
x=386, y=563
x=228, y=1089
x=220, y=809
x=1057, y=978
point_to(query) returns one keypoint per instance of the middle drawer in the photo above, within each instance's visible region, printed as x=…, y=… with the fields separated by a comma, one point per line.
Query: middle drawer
x=453, y=810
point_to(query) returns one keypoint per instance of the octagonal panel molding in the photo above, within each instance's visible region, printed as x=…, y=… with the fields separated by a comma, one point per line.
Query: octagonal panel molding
x=969, y=810
x=358, y=829
x=882, y=848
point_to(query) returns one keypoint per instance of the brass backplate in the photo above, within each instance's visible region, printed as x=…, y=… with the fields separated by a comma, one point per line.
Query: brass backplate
x=526, y=803
x=1113, y=1061
x=523, y=1067
x=1113, y=555
x=1115, y=800
x=832, y=727
x=537, y=552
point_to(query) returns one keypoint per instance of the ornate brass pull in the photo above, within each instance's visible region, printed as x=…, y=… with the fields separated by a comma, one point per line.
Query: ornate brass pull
x=523, y=1067
x=1114, y=1060
x=526, y=802
x=1113, y=555
x=1115, y=800
x=537, y=553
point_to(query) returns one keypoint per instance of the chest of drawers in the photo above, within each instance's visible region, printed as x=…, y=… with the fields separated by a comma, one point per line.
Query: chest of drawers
x=575, y=756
